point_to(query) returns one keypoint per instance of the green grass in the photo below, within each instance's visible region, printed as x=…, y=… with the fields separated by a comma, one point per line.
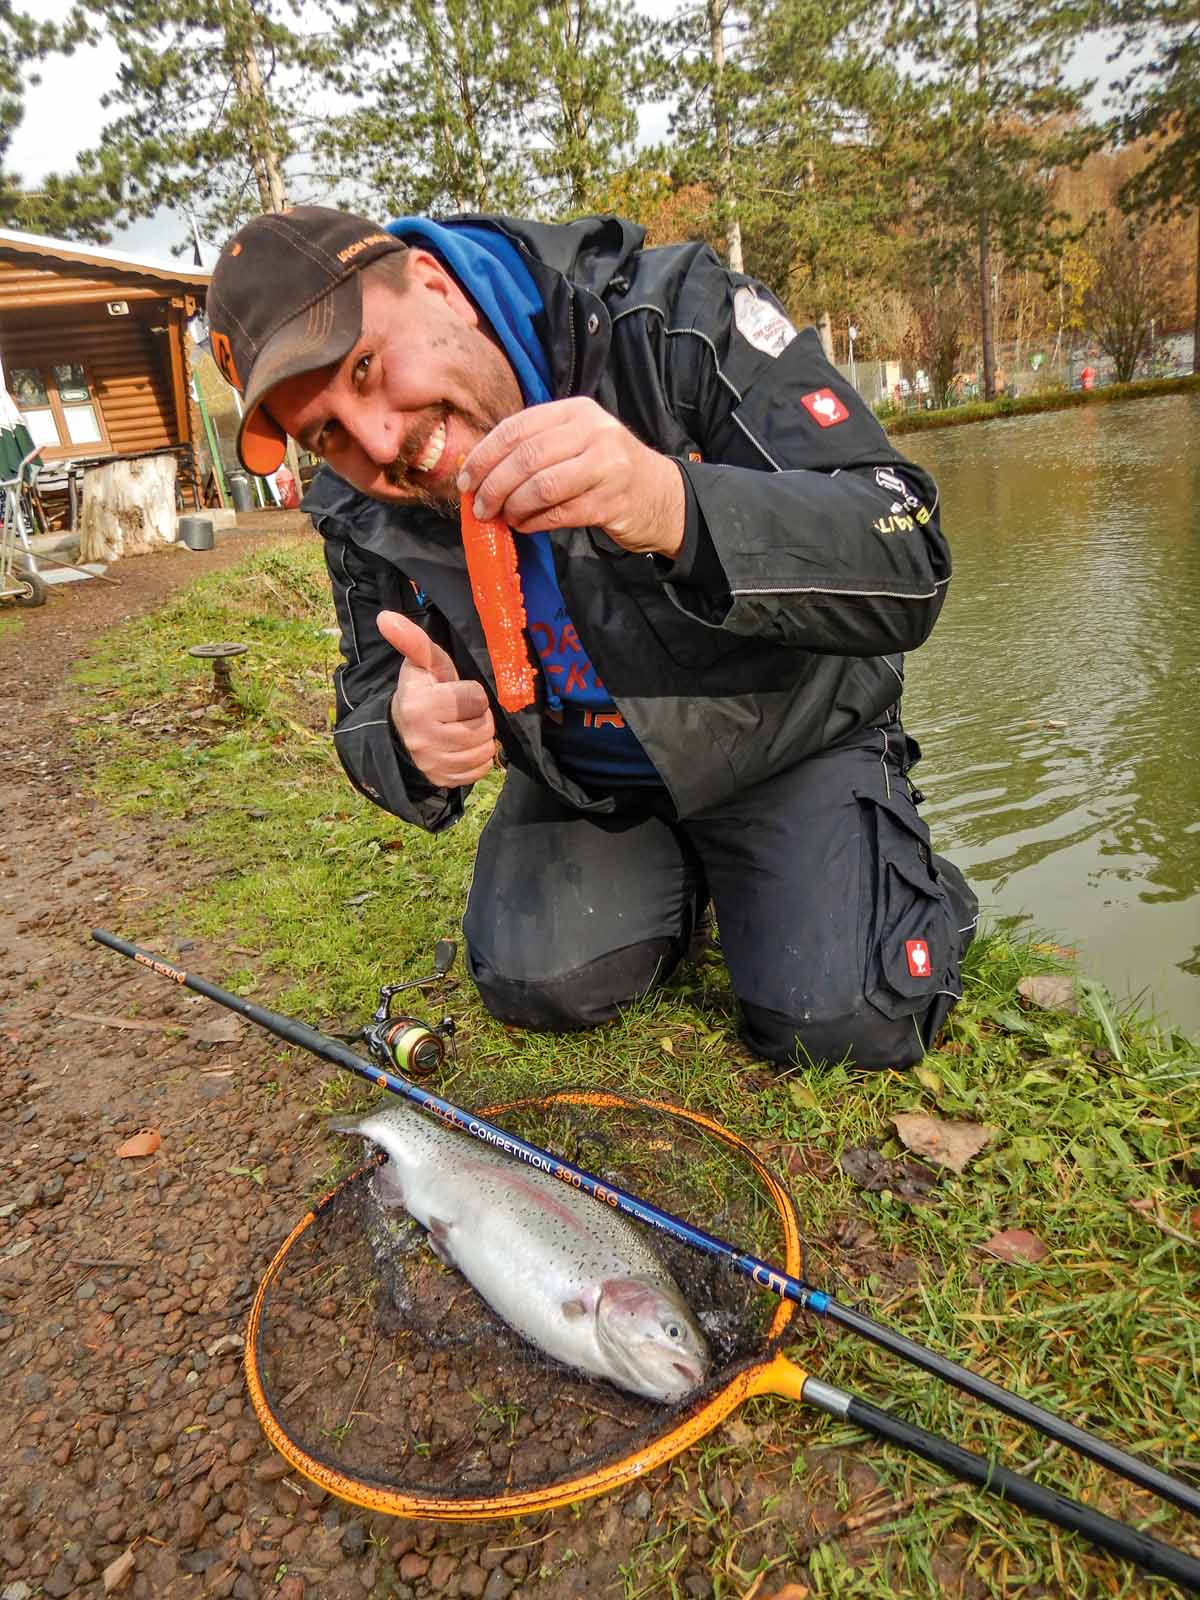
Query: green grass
x=280, y=857
x=10, y=623
x=1050, y=399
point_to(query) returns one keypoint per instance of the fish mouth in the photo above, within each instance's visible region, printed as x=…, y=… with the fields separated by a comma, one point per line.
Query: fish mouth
x=690, y=1377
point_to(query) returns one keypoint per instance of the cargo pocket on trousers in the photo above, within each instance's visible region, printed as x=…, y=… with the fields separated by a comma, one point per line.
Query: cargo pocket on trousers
x=912, y=943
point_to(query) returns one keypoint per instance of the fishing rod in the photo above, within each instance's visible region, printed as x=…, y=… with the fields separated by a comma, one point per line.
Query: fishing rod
x=383, y=1037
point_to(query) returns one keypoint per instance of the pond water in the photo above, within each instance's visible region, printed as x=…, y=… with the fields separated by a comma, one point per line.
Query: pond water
x=1056, y=702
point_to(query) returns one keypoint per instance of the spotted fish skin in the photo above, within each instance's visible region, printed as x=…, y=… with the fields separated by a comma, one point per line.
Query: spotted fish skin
x=571, y=1276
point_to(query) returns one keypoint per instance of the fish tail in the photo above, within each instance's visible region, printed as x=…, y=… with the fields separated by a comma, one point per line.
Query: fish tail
x=346, y=1124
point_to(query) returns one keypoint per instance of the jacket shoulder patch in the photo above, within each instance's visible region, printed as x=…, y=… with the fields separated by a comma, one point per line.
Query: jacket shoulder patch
x=761, y=324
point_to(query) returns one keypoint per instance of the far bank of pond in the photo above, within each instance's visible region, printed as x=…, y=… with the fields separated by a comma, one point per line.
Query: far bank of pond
x=1055, y=701
x=1042, y=400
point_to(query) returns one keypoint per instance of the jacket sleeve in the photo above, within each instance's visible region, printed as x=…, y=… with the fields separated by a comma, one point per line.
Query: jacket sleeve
x=805, y=526
x=368, y=746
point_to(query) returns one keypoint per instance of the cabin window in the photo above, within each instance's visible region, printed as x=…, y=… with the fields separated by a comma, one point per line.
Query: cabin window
x=60, y=409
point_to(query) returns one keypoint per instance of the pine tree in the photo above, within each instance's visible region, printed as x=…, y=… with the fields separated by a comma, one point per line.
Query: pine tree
x=792, y=134
x=439, y=129
x=509, y=105
x=214, y=99
x=994, y=119
x=72, y=207
x=1165, y=112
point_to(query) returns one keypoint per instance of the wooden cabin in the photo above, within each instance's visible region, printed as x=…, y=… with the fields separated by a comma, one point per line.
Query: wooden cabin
x=95, y=354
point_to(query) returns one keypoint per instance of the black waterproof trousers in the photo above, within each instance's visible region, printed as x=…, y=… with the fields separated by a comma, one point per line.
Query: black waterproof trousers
x=842, y=932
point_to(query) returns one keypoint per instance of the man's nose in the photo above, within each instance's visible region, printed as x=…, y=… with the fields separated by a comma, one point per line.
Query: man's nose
x=375, y=432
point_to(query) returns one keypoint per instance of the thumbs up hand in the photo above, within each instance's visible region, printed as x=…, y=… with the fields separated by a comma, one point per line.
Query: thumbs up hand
x=446, y=724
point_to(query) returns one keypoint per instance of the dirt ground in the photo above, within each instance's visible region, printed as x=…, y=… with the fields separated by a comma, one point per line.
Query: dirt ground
x=124, y=1284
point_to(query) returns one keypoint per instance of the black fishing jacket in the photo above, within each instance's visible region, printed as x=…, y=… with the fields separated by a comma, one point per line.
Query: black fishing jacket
x=812, y=557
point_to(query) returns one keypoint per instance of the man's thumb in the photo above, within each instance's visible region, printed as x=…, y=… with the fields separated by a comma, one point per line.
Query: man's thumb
x=415, y=645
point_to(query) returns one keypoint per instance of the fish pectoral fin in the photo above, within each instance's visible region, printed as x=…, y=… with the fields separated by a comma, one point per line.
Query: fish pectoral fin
x=439, y=1241
x=388, y=1185
x=573, y=1310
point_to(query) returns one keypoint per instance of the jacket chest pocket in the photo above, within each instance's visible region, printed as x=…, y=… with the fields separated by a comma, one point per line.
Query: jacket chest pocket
x=912, y=940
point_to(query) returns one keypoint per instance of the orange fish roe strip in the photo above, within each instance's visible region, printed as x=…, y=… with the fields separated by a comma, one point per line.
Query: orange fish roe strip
x=496, y=587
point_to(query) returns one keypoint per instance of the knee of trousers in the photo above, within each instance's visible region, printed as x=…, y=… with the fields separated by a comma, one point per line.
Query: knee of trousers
x=864, y=1038
x=582, y=998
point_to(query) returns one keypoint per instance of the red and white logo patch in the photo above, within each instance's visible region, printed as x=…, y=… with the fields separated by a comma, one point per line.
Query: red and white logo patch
x=917, y=952
x=824, y=407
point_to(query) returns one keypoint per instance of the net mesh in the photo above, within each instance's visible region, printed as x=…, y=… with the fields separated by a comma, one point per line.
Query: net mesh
x=382, y=1364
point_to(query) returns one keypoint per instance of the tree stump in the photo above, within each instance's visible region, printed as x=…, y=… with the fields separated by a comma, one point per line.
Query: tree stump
x=128, y=508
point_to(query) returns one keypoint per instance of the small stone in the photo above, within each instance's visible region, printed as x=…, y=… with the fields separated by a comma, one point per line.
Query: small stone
x=440, y=1571
x=272, y=1469
x=641, y=1505
x=19, y=1590
x=499, y=1586
x=191, y=1523
x=292, y=1588
x=35, y=1387
x=353, y=1540
x=59, y=1583
x=698, y=1586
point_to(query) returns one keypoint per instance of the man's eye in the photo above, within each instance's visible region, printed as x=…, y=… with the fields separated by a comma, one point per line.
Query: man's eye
x=361, y=367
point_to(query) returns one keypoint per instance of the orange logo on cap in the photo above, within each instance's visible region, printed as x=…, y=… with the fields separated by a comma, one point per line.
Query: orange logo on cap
x=223, y=356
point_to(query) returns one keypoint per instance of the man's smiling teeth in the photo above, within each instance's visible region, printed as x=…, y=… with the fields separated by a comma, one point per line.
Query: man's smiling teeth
x=432, y=453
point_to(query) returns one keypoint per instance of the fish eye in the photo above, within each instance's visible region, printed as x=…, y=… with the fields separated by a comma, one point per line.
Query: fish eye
x=674, y=1331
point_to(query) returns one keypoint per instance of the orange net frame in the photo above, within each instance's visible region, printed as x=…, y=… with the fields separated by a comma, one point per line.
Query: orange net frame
x=438, y=1410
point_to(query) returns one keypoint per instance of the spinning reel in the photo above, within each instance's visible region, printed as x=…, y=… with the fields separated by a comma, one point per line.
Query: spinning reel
x=408, y=1044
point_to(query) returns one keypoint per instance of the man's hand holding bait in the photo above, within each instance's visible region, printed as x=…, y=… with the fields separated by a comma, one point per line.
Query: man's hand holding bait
x=569, y=464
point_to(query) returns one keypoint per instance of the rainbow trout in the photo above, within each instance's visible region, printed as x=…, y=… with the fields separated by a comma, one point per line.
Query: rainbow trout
x=572, y=1277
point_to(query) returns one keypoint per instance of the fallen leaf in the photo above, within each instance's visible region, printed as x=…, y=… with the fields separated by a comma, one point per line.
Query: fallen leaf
x=739, y=1432
x=790, y=1591
x=1016, y=1244
x=668, y=1046
x=221, y=1030
x=911, y=1180
x=1053, y=724
x=801, y=1095
x=1065, y=952
x=1143, y=1205
x=948, y=1144
x=1052, y=991
x=928, y=1077
x=118, y=1573
x=141, y=1144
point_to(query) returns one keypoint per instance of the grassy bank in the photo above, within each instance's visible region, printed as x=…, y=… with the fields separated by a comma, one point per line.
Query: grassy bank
x=318, y=898
x=1042, y=400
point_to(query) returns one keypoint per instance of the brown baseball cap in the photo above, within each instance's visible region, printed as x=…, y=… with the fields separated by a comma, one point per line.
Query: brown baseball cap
x=286, y=298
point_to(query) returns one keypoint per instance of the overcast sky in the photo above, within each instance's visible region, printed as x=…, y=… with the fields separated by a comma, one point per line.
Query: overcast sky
x=63, y=116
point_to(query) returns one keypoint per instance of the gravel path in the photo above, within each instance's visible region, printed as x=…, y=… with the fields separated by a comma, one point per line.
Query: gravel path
x=130, y=1460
